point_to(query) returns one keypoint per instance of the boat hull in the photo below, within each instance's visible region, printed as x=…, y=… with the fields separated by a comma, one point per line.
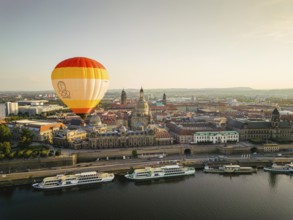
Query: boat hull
x=274, y=170
x=187, y=173
x=230, y=172
x=38, y=186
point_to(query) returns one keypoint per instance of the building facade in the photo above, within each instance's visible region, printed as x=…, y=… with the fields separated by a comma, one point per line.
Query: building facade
x=11, y=108
x=2, y=111
x=121, y=138
x=250, y=129
x=183, y=131
x=216, y=137
x=38, y=109
x=70, y=138
x=43, y=131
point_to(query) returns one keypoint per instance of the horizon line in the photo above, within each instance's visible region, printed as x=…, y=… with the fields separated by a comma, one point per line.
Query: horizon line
x=170, y=88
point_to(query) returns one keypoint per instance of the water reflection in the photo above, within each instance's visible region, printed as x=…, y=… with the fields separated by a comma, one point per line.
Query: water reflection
x=7, y=192
x=173, y=180
x=202, y=196
x=68, y=190
x=273, y=180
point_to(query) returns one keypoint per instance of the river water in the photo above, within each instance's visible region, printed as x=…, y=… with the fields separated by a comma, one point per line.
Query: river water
x=202, y=196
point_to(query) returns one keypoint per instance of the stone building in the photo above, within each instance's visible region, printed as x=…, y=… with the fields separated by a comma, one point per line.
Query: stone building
x=121, y=138
x=182, y=132
x=70, y=138
x=216, y=137
x=163, y=137
x=273, y=129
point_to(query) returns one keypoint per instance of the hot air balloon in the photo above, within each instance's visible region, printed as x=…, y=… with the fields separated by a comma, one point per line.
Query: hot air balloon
x=80, y=83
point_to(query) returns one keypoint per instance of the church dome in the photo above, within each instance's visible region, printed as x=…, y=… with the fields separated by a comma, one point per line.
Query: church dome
x=123, y=129
x=93, y=120
x=142, y=107
x=141, y=116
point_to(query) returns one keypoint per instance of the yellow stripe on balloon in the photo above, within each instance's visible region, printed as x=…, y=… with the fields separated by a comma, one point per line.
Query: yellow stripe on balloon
x=81, y=103
x=79, y=73
x=80, y=89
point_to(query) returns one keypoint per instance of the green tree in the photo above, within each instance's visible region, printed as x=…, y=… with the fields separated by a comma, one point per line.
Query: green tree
x=51, y=153
x=5, y=134
x=134, y=153
x=20, y=153
x=58, y=153
x=12, y=155
x=36, y=153
x=5, y=147
x=26, y=137
x=44, y=153
x=28, y=153
x=2, y=156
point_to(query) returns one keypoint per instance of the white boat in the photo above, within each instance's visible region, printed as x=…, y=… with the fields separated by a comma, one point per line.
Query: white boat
x=149, y=173
x=61, y=181
x=287, y=168
x=230, y=169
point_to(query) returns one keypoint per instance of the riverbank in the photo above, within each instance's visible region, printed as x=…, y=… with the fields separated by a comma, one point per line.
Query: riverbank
x=120, y=167
x=119, y=161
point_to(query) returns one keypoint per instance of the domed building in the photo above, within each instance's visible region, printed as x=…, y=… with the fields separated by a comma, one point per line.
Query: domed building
x=141, y=117
x=93, y=121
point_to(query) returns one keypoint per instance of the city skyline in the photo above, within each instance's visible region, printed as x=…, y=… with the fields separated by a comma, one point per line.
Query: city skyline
x=154, y=44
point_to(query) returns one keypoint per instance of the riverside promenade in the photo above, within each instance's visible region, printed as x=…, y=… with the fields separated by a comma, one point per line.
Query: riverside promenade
x=119, y=161
x=120, y=167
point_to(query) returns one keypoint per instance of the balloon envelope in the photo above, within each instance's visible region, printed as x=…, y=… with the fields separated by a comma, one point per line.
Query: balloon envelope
x=80, y=83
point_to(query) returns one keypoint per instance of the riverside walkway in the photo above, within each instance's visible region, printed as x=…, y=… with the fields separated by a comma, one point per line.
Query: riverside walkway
x=122, y=166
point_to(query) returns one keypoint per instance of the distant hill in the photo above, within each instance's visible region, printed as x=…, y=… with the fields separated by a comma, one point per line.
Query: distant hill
x=226, y=92
x=177, y=92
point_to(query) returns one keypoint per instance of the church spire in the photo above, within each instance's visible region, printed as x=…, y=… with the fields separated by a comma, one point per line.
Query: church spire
x=141, y=95
x=123, y=97
x=164, y=99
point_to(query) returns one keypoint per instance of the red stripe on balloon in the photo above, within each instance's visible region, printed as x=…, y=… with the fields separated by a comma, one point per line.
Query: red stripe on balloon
x=81, y=110
x=80, y=62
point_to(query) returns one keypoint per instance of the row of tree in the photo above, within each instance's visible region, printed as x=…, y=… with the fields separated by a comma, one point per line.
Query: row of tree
x=28, y=152
x=5, y=134
x=25, y=138
x=5, y=138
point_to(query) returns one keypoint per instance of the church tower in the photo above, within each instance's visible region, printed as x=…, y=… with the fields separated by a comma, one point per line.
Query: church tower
x=164, y=99
x=141, y=95
x=123, y=97
x=141, y=116
x=275, y=120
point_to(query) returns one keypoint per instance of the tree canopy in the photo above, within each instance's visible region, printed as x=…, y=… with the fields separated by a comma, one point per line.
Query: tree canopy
x=26, y=137
x=5, y=134
x=5, y=147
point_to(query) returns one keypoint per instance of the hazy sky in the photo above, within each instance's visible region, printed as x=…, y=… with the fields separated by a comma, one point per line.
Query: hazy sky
x=150, y=43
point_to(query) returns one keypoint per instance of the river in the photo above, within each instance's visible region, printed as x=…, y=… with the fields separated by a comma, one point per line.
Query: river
x=202, y=196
